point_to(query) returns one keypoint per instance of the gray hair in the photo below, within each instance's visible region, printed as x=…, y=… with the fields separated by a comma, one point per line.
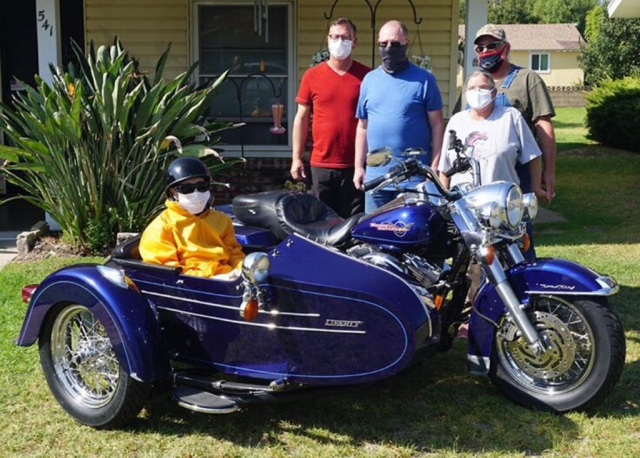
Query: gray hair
x=486, y=74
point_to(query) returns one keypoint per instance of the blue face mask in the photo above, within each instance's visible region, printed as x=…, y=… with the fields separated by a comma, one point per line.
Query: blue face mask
x=394, y=59
x=490, y=61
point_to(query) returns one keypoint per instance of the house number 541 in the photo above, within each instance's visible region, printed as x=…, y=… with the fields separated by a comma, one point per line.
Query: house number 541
x=45, y=22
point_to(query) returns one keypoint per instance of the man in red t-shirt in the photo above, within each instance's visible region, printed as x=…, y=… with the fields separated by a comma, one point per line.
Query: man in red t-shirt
x=330, y=91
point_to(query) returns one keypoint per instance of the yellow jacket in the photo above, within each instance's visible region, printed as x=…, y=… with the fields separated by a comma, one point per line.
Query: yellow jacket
x=204, y=245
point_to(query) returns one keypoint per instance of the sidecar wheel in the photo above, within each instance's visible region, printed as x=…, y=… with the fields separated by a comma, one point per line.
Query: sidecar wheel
x=581, y=367
x=83, y=372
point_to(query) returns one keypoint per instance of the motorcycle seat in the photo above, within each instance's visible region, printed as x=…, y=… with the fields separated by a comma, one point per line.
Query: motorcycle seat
x=285, y=213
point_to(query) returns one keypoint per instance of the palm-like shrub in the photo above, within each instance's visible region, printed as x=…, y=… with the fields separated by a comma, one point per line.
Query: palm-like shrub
x=91, y=148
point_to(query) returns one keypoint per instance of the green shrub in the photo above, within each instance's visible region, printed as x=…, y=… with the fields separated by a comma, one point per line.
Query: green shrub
x=613, y=109
x=91, y=148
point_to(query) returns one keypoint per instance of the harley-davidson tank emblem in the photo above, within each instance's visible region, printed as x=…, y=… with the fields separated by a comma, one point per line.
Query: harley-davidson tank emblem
x=399, y=228
x=343, y=323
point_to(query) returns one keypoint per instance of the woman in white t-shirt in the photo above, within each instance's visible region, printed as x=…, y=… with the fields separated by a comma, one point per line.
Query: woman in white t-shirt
x=496, y=136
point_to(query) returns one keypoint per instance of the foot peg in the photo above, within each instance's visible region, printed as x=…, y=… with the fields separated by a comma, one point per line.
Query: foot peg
x=202, y=401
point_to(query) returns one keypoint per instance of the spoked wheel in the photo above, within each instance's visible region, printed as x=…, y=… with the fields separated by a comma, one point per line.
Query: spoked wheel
x=583, y=361
x=83, y=372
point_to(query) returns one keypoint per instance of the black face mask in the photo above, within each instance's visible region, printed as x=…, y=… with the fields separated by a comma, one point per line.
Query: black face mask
x=394, y=59
x=490, y=61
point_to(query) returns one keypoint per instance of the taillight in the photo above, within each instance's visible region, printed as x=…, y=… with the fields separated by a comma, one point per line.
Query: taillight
x=27, y=292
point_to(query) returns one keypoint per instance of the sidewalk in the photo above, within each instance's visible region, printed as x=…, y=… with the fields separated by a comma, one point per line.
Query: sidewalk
x=8, y=249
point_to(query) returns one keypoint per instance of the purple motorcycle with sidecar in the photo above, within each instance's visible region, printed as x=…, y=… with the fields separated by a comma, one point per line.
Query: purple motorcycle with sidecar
x=326, y=302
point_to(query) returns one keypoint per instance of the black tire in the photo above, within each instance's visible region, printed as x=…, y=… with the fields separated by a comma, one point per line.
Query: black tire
x=83, y=372
x=581, y=368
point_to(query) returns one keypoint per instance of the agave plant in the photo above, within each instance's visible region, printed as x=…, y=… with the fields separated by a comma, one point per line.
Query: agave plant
x=91, y=148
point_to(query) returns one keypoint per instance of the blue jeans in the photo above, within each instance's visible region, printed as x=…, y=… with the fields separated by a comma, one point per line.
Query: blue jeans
x=377, y=200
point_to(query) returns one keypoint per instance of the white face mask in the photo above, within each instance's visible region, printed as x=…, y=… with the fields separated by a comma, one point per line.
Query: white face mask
x=479, y=98
x=340, y=49
x=195, y=202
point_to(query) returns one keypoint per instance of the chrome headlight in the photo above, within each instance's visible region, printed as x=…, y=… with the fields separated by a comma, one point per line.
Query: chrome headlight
x=255, y=267
x=530, y=204
x=497, y=205
x=491, y=215
x=513, y=207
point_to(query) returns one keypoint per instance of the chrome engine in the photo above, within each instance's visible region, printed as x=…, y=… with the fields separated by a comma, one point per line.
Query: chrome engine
x=424, y=272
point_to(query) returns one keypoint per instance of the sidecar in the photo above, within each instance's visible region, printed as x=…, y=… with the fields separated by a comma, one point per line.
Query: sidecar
x=303, y=315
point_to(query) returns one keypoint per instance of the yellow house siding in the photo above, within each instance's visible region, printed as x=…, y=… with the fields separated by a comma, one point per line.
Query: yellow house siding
x=436, y=32
x=565, y=70
x=144, y=27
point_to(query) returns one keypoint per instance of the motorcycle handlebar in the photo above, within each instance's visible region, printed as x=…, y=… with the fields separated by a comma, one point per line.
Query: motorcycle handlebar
x=407, y=169
x=369, y=185
x=452, y=171
x=393, y=173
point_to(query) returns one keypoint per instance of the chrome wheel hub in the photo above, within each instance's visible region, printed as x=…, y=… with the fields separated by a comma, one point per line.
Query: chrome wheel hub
x=83, y=357
x=569, y=354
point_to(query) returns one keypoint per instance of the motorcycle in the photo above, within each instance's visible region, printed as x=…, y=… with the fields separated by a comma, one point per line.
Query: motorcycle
x=326, y=302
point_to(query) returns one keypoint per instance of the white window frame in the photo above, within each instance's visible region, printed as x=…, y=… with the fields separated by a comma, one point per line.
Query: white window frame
x=540, y=54
x=276, y=151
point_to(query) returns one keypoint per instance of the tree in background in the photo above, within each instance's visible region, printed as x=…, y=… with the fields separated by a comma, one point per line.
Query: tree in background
x=511, y=12
x=613, y=50
x=563, y=11
x=535, y=11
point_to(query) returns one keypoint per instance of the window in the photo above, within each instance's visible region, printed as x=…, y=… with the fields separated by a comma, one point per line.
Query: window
x=259, y=54
x=540, y=62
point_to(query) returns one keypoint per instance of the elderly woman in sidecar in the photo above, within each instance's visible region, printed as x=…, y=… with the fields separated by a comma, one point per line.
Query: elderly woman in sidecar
x=189, y=233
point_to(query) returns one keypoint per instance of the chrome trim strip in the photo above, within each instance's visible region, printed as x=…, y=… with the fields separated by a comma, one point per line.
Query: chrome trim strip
x=270, y=326
x=339, y=253
x=228, y=307
x=600, y=292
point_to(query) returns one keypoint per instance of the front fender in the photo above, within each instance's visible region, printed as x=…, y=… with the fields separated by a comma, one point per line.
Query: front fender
x=128, y=318
x=548, y=276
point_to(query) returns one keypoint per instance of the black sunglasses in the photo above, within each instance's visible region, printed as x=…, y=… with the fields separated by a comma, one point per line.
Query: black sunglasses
x=488, y=46
x=188, y=188
x=393, y=44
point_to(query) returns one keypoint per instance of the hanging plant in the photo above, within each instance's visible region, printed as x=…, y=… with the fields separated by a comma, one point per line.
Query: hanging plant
x=319, y=57
x=423, y=62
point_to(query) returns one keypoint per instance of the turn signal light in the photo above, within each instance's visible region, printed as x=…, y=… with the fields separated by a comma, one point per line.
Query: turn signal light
x=249, y=310
x=526, y=243
x=438, y=300
x=488, y=254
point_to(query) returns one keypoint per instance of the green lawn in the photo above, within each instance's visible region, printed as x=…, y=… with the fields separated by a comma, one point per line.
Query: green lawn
x=432, y=410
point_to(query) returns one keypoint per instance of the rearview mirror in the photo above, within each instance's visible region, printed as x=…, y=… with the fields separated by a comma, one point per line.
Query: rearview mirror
x=379, y=157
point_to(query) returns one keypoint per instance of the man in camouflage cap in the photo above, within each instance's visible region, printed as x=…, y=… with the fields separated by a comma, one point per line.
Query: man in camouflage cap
x=525, y=90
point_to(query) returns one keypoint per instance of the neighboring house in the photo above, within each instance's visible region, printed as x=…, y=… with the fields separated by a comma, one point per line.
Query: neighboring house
x=549, y=49
x=624, y=9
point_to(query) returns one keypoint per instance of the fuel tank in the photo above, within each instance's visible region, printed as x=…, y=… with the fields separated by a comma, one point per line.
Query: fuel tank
x=405, y=223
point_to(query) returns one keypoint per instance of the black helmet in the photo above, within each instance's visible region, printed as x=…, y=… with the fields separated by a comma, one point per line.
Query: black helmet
x=183, y=169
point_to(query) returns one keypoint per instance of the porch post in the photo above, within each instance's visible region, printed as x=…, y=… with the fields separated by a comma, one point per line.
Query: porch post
x=48, y=26
x=476, y=18
x=48, y=23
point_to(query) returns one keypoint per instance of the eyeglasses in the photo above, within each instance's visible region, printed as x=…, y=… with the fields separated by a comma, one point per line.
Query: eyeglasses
x=393, y=44
x=488, y=46
x=334, y=37
x=188, y=188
